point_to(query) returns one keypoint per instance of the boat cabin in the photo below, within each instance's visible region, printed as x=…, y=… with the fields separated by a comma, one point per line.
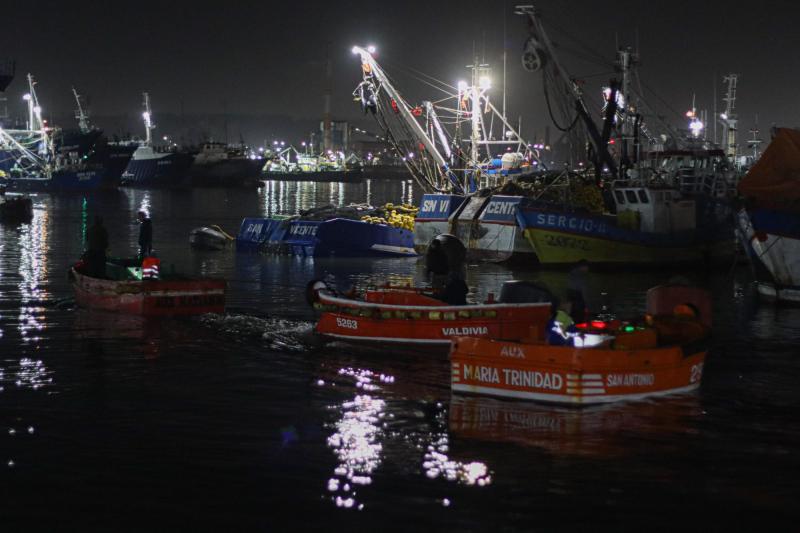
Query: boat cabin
x=653, y=210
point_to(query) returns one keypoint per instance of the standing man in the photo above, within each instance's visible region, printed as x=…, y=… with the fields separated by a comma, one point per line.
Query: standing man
x=577, y=290
x=97, y=244
x=145, y=235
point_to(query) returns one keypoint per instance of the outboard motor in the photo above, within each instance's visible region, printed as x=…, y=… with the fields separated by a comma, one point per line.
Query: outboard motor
x=525, y=292
x=451, y=248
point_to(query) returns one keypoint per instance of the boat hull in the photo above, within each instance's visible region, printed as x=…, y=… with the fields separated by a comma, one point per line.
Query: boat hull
x=149, y=298
x=167, y=170
x=427, y=325
x=63, y=181
x=336, y=237
x=559, y=238
x=772, y=241
x=572, y=376
x=237, y=172
x=16, y=209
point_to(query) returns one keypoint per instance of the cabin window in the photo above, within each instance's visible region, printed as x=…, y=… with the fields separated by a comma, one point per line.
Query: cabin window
x=620, y=197
x=643, y=196
x=630, y=196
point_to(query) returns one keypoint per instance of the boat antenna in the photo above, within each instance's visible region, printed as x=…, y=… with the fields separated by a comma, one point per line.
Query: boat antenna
x=505, y=53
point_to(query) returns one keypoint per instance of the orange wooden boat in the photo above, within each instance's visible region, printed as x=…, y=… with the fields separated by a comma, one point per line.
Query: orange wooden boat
x=124, y=291
x=413, y=316
x=664, y=355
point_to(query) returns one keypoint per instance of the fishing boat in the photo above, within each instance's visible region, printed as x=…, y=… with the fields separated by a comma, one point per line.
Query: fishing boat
x=662, y=354
x=328, y=231
x=29, y=160
x=155, y=166
x=220, y=165
x=136, y=287
x=415, y=317
x=333, y=167
x=645, y=198
x=210, y=238
x=769, y=225
x=15, y=208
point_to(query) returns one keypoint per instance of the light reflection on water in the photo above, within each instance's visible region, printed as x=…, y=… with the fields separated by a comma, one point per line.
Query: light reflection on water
x=290, y=198
x=362, y=430
x=33, y=247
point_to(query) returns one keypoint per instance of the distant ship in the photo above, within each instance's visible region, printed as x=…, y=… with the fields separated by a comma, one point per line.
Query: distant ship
x=89, y=144
x=311, y=167
x=29, y=160
x=219, y=165
x=152, y=166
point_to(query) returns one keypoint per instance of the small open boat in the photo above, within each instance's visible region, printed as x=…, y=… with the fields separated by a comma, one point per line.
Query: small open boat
x=413, y=316
x=15, y=208
x=124, y=291
x=210, y=238
x=625, y=361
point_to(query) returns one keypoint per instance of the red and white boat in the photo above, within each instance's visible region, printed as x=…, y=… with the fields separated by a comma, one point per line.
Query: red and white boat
x=664, y=356
x=171, y=295
x=412, y=316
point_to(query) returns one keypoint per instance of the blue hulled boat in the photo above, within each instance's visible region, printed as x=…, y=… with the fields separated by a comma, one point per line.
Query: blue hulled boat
x=340, y=237
x=152, y=166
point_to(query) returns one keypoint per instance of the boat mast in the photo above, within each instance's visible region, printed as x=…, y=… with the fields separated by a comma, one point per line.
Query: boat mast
x=81, y=114
x=148, y=121
x=729, y=119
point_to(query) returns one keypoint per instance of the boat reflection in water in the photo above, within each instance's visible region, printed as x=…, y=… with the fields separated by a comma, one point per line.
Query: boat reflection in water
x=603, y=430
x=362, y=431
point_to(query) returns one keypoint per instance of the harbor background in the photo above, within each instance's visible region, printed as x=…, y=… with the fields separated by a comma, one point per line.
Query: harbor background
x=233, y=423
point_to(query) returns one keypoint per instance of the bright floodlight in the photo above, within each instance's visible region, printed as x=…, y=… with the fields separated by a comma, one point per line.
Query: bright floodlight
x=371, y=49
x=462, y=86
x=485, y=82
x=26, y=97
x=37, y=109
x=146, y=115
x=354, y=49
x=724, y=116
x=696, y=126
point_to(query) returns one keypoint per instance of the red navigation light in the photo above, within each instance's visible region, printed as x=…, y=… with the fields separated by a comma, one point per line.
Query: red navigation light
x=598, y=324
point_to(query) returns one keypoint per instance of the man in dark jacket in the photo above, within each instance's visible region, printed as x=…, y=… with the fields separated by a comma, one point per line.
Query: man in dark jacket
x=577, y=290
x=145, y=235
x=97, y=244
x=436, y=264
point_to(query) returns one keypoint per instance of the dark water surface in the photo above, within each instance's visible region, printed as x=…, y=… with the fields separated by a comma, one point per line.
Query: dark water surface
x=243, y=422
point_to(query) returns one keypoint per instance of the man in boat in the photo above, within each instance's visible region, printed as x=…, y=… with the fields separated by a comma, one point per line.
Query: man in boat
x=97, y=244
x=455, y=290
x=436, y=264
x=577, y=290
x=145, y=235
x=561, y=326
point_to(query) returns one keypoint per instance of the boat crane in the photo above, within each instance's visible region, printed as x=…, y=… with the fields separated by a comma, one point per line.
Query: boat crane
x=374, y=82
x=432, y=154
x=81, y=114
x=539, y=54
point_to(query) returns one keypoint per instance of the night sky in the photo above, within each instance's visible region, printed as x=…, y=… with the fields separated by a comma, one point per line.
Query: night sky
x=244, y=57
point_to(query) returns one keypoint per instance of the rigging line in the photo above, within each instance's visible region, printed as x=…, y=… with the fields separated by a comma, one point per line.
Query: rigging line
x=420, y=73
x=550, y=110
x=451, y=95
x=588, y=49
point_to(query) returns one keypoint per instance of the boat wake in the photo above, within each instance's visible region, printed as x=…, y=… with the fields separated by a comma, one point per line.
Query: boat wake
x=278, y=333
